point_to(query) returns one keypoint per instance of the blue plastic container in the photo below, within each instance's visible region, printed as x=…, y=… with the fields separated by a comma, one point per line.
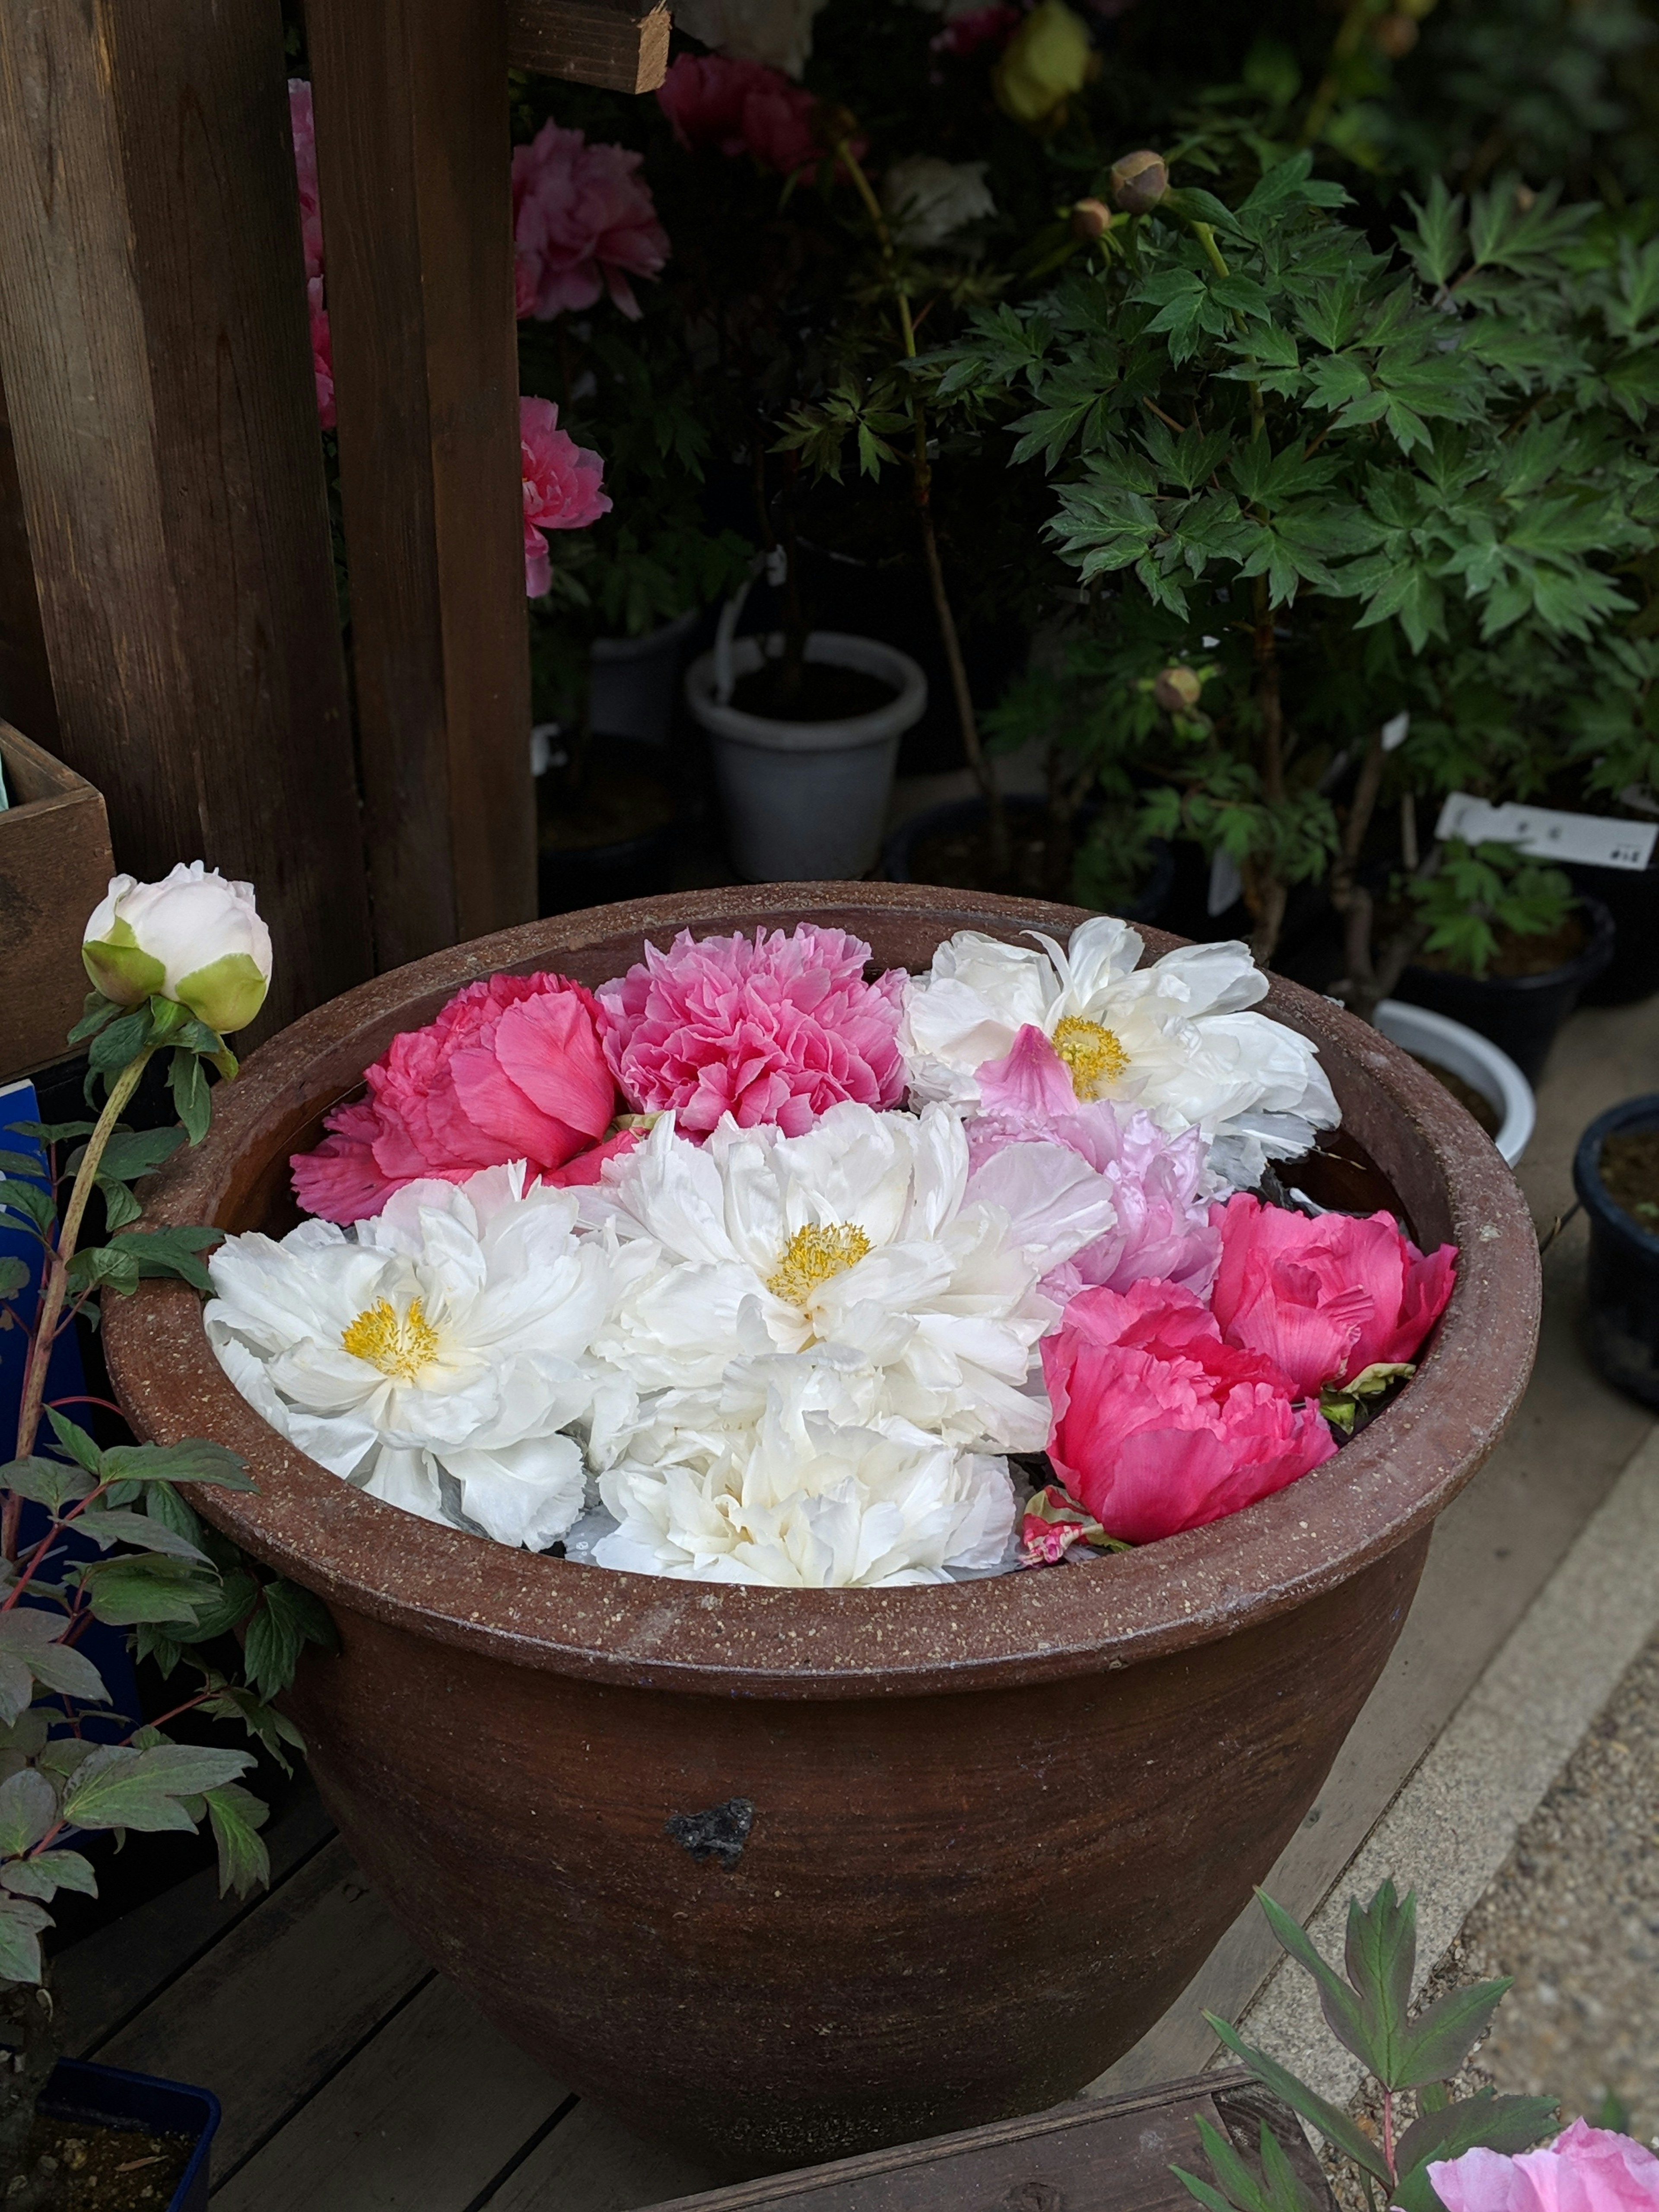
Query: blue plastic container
x=80, y=2090
x=1622, y=1320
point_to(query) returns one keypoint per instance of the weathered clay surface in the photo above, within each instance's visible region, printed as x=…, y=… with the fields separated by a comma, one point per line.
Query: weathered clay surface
x=955, y=1848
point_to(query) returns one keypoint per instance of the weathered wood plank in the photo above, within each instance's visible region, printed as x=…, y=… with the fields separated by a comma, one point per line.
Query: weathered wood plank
x=410, y=98
x=99, y=1982
x=591, y=2163
x=26, y=694
x=157, y=364
x=281, y=2000
x=54, y=867
x=611, y=43
x=423, y=2119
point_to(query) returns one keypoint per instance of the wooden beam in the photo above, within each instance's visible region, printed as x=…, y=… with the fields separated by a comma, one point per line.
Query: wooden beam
x=410, y=98
x=622, y=45
x=153, y=348
x=26, y=694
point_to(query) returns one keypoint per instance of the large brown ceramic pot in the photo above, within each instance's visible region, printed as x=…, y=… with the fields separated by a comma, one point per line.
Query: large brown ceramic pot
x=997, y=1825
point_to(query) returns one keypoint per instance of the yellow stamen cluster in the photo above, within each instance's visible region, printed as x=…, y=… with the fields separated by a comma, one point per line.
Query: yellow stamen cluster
x=812, y=1256
x=1094, y=1055
x=399, y=1345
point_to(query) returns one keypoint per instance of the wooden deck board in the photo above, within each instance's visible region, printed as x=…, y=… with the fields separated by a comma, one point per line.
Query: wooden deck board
x=591, y=2163
x=286, y=1996
x=423, y=2118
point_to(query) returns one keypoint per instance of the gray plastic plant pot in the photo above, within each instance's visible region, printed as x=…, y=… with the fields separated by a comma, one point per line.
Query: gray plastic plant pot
x=1465, y=1051
x=805, y=802
x=632, y=681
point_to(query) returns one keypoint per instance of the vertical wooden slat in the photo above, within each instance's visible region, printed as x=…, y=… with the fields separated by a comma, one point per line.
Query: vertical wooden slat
x=26, y=696
x=414, y=171
x=154, y=346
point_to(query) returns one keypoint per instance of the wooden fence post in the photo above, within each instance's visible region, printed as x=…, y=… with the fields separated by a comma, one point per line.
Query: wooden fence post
x=156, y=362
x=26, y=694
x=413, y=154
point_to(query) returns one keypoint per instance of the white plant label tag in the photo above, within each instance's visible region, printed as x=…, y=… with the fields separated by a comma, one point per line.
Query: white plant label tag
x=1594, y=841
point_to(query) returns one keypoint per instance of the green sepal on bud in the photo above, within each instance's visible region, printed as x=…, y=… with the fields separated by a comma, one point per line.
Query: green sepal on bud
x=1177, y=690
x=1341, y=1405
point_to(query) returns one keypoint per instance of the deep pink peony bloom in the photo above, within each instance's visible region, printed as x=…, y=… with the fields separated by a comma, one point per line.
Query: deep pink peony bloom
x=1157, y=1424
x=1324, y=1299
x=512, y=1069
x=1164, y=1229
x=561, y=482
x=304, y=128
x=778, y=1030
x=742, y=107
x=583, y=221
x=1585, y=2169
x=322, y=354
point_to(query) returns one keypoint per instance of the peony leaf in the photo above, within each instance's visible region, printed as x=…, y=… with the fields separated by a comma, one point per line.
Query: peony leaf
x=1381, y=1955
x=28, y=1808
x=120, y=1787
x=1338, y=2127
x=1441, y=2037
x=192, y=1459
x=45, y=1481
x=237, y=1815
x=1337, y=2000
x=20, y=1922
x=1486, y=2121
x=43, y=1877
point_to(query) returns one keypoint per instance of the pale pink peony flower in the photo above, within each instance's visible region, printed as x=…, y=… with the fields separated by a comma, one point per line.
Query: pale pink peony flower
x=1324, y=1299
x=304, y=128
x=777, y=1030
x=1585, y=2169
x=1157, y=1424
x=741, y=107
x=1158, y=1183
x=322, y=354
x=561, y=482
x=583, y=221
x=512, y=1069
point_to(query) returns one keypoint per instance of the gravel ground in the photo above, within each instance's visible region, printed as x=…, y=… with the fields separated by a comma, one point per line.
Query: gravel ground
x=1573, y=1916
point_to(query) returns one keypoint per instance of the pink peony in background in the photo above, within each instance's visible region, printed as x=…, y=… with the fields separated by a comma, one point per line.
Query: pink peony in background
x=1157, y=1424
x=1585, y=2169
x=979, y=27
x=1158, y=1183
x=775, y=1029
x=583, y=221
x=512, y=1069
x=322, y=354
x=304, y=128
x=1324, y=1299
x=561, y=487
x=741, y=107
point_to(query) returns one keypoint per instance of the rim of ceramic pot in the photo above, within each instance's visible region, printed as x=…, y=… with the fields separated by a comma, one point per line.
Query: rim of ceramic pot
x=538, y=1612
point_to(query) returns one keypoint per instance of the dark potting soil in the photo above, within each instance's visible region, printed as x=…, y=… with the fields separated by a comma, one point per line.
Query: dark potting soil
x=1525, y=956
x=825, y=694
x=112, y=2169
x=612, y=807
x=1475, y=1102
x=1630, y=1172
x=961, y=861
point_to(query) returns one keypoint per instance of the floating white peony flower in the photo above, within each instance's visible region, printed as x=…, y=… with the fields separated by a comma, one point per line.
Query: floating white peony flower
x=436, y=1358
x=1174, y=1038
x=785, y=1476
x=859, y=1233
x=930, y=199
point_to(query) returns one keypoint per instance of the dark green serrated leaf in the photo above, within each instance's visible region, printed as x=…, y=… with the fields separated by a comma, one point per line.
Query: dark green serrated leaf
x=192, y=1459
x=98, y=1011
x=130, y=1153
x=187, y=1080
x=103, y=1267
x=123, y=1787
x=28, y=1200
x=45, y=1481
x=146, y=1586
x=76, y=1442
x=122, y=1041
x=142, y=1530
x=163, y=1251
x=237, y=1815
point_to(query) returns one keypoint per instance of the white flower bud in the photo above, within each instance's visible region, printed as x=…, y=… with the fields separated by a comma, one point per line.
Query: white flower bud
x=193, y=937
x=929, y=199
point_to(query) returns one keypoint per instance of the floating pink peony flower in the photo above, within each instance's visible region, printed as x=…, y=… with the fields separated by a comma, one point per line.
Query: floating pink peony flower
x=1158, y=1183
x=304, y=128
x=512, y=1069
x=583, y=221
x=1325, y=1298
x=1157, y=1424
x=322, y=354
x=561, y=482
x=1585, y=2169
x=778, y=1030
x=742, y=107
x=980, y=27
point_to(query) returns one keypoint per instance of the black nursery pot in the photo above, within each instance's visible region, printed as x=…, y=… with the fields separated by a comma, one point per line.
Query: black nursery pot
x=898, y=854
x=109, y=2097
x=1520, y=1014
x=1622, y=1322
x=1631, y=895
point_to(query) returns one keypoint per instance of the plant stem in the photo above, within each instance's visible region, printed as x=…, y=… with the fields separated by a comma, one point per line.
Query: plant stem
x=56, y=1277
x=1349, y=896
x=1268, y=893
x=1349, y=34
x=923, y=476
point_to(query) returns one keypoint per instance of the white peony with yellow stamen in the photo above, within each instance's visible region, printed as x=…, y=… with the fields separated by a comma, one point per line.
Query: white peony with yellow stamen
x=1175, y=1038
x=436, y=1357
x=860, y=1233
x=788, y=1474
